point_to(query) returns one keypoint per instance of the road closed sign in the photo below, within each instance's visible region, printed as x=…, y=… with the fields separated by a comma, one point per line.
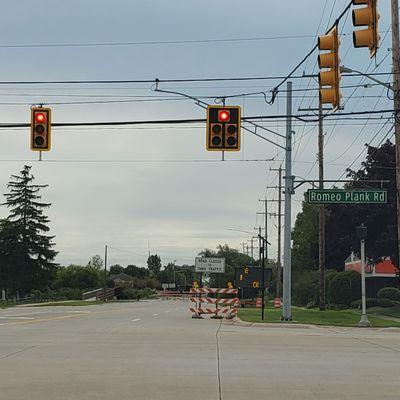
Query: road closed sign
x=211, y=265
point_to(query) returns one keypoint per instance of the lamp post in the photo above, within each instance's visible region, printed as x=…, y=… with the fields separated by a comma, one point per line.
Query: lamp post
x=174, y=276
x=362, y=235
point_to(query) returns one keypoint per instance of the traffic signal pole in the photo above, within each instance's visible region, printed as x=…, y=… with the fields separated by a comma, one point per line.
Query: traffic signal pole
x=287, y=251
x=321, y=219
x=396, y=89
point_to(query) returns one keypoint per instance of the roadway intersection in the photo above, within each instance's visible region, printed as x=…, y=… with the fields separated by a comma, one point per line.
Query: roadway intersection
x=154, y=350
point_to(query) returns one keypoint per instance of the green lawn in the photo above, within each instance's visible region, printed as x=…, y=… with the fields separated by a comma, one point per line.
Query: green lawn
x=314, y=316
x=67, y=303
x=390, y=311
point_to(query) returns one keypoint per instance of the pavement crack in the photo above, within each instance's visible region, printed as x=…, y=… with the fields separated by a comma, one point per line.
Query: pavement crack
x=218, y=361
x=17, y=352
x=383, y=346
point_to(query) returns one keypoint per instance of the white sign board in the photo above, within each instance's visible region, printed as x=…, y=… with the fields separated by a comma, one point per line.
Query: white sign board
x=168, y=286
x=213, y=265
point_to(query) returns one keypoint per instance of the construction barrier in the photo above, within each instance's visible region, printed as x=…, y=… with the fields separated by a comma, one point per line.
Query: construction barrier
x=277, y=302
x=170, y=295
x=224, y=307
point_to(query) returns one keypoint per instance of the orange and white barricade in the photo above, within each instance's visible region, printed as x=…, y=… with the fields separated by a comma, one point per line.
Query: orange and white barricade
x=277, y=302
x=224, y=307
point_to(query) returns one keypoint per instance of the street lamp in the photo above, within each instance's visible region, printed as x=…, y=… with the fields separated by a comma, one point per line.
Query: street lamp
x=344, y=69
x=362, y=235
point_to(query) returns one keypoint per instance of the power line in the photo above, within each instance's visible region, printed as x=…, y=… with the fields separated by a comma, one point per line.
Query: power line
x=115, y=161
x=368, y=144
x=193, y=120
x=176, y=80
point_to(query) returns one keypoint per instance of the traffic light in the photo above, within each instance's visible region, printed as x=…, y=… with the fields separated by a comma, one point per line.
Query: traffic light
x=329, y=81
x=40, y=129
x=223, y=128
x=367, y=17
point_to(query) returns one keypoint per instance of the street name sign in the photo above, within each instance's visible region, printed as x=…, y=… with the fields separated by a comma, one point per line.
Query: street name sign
x=213, y=265
x=343, y=196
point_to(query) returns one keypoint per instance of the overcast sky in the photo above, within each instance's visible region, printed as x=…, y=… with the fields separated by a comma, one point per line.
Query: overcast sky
x=155, y=188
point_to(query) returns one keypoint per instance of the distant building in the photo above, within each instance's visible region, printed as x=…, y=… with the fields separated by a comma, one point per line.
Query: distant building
x=377, y=276
x=121, y=280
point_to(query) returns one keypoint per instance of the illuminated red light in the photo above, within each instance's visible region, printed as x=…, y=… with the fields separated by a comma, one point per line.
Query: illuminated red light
x=40, y=117
x=223, y=115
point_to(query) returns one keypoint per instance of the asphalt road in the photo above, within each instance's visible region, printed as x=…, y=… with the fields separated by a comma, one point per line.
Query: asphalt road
x=153, y=350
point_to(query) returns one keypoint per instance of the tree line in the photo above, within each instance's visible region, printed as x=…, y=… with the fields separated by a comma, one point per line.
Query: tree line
x=27, y=254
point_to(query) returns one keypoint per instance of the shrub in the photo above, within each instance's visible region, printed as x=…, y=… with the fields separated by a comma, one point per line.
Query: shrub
x=370, y=302
x=69, y=293
x=391, y=293
x=130, y=294
x=311, y=304
x=306, y=288
x=344, y=288
x=386, y=302
x=338, y=307
x=147, y=292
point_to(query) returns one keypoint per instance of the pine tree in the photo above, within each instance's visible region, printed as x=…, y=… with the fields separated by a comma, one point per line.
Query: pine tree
x=26, y=254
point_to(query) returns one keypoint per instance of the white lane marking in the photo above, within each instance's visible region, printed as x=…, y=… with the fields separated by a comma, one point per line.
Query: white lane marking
x=12, y=317
x=2, y=324
x=168, y=311
x=176, y=309
x=154, y=315
x=82, y=312
x=136, y=319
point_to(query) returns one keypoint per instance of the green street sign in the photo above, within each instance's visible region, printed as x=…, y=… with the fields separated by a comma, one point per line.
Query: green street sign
x=342, y=196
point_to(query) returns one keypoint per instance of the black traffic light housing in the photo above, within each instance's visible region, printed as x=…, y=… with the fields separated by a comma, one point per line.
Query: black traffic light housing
x=40, y=129
x=223, y=128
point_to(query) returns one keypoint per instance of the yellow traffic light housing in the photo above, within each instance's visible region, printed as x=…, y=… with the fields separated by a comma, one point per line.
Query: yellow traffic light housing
x=329, y=80
x=223, y=128
x=368, y=17
x=40, y=129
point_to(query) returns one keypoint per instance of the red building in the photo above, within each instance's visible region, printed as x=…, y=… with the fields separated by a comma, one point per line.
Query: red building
x=377, y=276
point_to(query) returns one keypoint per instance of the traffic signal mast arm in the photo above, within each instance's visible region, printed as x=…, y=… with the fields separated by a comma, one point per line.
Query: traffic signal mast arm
x=205, y=105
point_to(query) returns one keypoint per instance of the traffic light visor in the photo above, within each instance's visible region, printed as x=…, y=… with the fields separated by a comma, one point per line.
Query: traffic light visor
x=326, y=60
x=326, y=42
x=362, y=16
x=327, y=78
x=359, y=2
x=363, y=38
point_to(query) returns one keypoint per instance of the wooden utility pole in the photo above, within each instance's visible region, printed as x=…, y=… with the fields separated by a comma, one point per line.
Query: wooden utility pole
x=396, y=88
x=279, y=215
x=321, y=214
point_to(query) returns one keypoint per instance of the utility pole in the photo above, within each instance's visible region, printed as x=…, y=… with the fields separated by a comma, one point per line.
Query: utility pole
x=252, y=248
x=287, y=251
x=396, y=88
x=262, y=242
x=105, y=273
x=279, y=257
x=266, y=229
x=321, y=219
x=265, y=213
